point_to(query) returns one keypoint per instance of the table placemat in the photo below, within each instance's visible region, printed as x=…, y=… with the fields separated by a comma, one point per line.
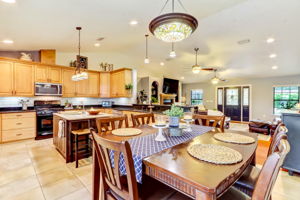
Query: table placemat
x=215, y=154
x=126, y=132
x=234, y=138
x=145, y=146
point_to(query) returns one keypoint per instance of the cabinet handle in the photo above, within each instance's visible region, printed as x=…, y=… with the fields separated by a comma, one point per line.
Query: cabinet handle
x=19, y=123
x=19, y=115
x=19, y=134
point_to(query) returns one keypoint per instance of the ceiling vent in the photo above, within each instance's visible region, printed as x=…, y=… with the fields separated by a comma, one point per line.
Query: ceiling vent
x=100, y=38
x=242, y=42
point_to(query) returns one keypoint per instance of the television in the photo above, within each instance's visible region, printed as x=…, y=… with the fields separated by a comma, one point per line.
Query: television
x=170, y=86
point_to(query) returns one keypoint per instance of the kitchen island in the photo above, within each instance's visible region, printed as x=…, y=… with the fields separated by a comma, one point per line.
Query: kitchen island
x=63, y=125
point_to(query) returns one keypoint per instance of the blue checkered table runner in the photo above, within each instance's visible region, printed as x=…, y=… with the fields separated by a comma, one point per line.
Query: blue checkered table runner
x=145, y=146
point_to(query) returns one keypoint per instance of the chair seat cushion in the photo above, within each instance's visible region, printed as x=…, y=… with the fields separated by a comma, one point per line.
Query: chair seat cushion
x=247, y=181
x=234, y=194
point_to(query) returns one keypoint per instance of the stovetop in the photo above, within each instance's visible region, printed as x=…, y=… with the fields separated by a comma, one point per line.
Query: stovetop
x=47, y=108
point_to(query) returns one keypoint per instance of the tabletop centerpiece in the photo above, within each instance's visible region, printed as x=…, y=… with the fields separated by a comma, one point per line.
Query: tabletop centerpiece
x=174, y=113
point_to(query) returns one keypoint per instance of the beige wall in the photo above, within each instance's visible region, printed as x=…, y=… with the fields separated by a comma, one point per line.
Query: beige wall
x=262, y=93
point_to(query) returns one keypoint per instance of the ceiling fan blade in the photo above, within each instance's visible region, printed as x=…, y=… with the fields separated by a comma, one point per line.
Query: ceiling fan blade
x=207, y=69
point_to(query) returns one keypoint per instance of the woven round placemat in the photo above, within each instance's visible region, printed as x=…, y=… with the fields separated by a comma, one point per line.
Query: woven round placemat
x=234, y=138
x=126, y=132
x=216, y=154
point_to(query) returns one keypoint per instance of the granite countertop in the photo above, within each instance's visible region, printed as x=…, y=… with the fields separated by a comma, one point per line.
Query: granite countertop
x=80, y=116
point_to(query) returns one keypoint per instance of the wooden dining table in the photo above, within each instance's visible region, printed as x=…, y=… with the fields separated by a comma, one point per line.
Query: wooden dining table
x=194, y=178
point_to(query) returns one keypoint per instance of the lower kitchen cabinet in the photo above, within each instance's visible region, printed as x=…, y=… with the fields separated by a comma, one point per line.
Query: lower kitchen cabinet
x=18, y=126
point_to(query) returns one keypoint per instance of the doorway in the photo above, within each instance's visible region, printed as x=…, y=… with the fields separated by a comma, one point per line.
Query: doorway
x=234, y=102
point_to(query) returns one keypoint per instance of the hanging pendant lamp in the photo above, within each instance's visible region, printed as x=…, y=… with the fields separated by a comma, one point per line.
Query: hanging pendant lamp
x=80, y=74
x=172, y=53
x=146, y=61
x=173, y=27
x=196, y=68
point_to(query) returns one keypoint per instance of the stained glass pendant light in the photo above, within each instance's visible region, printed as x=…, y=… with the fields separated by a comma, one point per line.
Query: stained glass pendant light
x=146, y=61
x=196, y=68
x=80, y=74
x=174, y=26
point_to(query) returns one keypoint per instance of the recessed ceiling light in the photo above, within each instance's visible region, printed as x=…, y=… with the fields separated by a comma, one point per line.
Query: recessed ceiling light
x=7, y=41
x=9, y=1
x=273, y=55
x=97, y=44
x=270, y=40
x=182, y=77
x=133, y=22
x=274, y=67
x=162, y=63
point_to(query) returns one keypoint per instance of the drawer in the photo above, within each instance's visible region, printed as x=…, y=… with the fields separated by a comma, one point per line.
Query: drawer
x=18, y=123
x=18, y=134
x=19, y=115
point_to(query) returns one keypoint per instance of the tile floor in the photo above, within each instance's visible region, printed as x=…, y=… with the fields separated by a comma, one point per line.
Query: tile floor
x=34, y=170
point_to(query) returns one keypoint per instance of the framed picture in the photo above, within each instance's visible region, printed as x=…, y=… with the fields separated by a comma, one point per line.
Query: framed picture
x=83, y=61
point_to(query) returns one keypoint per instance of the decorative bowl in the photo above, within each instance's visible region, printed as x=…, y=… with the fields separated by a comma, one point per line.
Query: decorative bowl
x=93, y=112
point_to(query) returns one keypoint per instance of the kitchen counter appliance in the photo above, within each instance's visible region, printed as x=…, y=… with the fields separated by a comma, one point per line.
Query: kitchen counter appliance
x=48, y=89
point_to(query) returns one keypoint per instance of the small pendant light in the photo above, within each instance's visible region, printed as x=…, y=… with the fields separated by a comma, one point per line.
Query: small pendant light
x=146, y=61
x=172, y=53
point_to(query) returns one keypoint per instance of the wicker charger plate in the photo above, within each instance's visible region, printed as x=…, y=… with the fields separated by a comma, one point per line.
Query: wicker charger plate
x=215, y=154
x=126, y=132
x=234, y=138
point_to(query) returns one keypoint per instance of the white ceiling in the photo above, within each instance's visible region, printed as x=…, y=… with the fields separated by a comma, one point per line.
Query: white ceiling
x=36, y=24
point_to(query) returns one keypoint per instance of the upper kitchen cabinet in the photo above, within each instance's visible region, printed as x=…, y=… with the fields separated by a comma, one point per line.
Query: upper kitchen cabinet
x=69, y=86
x=6, y=81
x=47, y=74
x=94, y=87
x=23, y=79
x=105, y=84
x=118, y=80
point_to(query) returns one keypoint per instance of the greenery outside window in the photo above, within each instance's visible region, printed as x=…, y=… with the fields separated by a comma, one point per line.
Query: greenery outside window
x=197, y=97
x=285, y=98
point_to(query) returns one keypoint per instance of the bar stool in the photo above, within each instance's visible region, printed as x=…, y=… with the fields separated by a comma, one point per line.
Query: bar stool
x=77, y=133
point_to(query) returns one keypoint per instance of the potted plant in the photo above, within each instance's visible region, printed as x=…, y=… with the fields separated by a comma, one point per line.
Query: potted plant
x=174, y=115
x=128, y=87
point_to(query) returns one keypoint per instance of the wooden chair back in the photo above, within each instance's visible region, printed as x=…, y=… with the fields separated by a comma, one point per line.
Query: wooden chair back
x=209, y=120
x=141, y=119
x=111, y=123
x=269, y=172
x=114, y=184
x=280, y=133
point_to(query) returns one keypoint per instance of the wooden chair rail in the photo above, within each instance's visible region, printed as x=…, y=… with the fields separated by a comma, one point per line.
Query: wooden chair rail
x=209, y=120
x=141, y=119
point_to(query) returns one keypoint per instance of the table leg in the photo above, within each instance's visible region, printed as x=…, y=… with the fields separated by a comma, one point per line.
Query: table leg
x=96, y=176
x=205, y=196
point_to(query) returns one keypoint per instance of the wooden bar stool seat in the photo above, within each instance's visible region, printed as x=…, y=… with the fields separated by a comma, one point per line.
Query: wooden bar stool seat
x=81, y=132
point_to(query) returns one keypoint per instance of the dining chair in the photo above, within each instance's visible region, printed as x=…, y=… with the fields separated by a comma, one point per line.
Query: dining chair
x=141, y=119
x=209, y=120
x=265, y=182
x=114, y=185
x=111, y=123
x=247, y=181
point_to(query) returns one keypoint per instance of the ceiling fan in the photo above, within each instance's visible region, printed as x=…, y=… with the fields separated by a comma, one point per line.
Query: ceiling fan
x=197, y=68
x=216, y=79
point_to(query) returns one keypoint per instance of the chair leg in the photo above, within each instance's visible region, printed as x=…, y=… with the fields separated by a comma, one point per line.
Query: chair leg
x=76, y=150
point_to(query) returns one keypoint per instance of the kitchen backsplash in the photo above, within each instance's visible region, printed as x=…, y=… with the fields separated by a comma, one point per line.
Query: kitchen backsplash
x=14, y=101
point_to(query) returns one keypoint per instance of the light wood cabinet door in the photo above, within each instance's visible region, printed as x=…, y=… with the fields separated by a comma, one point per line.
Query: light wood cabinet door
x=23, y=79
x=93, y=85
x=105, y=84
x=41, y=74
x=82, y=88
x=69, y=86
x=54, y=74
x=6, y=80
x=116, y=84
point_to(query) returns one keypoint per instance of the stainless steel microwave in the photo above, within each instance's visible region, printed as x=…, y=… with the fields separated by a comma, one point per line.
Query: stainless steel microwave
x=48, y=89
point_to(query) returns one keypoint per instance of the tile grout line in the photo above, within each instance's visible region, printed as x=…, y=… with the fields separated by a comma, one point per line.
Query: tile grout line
x=35, y=172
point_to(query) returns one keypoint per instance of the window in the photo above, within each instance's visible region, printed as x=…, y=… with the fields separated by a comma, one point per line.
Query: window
x=232, y=97
x=285, y=98
x=196, y=97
